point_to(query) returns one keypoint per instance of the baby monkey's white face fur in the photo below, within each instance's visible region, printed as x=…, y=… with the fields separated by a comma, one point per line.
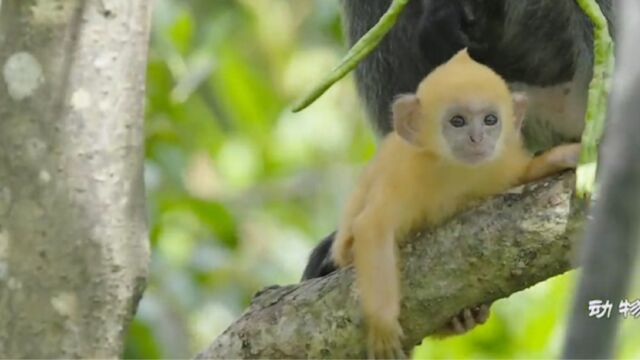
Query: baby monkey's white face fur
x=469, y=131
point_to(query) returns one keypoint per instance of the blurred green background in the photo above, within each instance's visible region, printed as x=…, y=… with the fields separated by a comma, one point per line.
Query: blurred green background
x=240, y=189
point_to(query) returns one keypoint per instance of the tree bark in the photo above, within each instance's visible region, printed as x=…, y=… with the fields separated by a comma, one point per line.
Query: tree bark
x=612, y=236
x=73, y=235
x=504, y=245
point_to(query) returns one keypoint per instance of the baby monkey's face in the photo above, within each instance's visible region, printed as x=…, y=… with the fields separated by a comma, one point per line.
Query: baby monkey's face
x=471, y=129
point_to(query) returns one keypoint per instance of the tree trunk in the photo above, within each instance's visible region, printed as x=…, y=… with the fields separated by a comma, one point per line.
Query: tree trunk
x=73, y=236
x=612, y=236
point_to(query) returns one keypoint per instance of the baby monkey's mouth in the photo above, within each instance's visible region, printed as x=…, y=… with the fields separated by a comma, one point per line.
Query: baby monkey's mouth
x=476, y=156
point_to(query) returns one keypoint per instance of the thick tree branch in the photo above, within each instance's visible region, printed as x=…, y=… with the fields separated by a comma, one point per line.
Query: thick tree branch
x=504, y=245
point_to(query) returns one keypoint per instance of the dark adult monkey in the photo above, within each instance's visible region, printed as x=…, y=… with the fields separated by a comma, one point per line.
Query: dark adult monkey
x=531, y=43
x=543, y=48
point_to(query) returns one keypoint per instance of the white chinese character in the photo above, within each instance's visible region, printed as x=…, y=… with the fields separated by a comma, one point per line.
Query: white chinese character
x=598, y=309
x=624, y=307
x=634, y=308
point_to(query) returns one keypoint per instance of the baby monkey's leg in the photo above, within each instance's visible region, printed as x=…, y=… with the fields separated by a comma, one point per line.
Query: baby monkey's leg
x=552, y=161
x=342, y=248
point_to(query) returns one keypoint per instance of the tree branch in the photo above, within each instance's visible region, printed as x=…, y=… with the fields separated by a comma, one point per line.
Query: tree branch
x=504, y=245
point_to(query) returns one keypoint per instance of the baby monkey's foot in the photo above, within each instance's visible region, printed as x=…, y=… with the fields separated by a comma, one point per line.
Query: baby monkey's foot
x=465, y=321
x=469, y=318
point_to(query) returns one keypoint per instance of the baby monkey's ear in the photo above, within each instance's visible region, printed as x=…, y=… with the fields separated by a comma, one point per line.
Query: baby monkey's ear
x=406, y=112
x=520, y=103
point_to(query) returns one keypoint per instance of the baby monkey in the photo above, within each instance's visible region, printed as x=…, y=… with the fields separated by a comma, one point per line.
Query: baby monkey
x=457, y=139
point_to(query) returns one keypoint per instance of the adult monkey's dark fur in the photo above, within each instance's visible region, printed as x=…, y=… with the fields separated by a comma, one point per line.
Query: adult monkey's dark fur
x=542, y=47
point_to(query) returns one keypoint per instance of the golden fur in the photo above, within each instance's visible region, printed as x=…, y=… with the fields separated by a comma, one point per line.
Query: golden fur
x=407, y=185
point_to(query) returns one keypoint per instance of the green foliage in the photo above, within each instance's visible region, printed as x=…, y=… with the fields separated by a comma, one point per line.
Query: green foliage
x=240, y=189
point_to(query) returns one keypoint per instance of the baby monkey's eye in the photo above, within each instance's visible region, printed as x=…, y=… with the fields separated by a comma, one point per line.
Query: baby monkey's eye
x=457, y=121
x=490, y=120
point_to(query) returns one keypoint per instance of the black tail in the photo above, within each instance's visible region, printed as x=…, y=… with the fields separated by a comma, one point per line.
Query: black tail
x=320, y=263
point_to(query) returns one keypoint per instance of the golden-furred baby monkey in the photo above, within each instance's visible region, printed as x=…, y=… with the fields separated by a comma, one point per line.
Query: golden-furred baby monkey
x=457, y=139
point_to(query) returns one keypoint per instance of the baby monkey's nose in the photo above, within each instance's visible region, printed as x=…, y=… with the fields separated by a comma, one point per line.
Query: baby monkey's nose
x=475, y=138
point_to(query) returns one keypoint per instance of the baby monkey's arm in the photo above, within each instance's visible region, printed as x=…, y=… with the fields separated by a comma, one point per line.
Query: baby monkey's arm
x=552, y=161
x=377, y=278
